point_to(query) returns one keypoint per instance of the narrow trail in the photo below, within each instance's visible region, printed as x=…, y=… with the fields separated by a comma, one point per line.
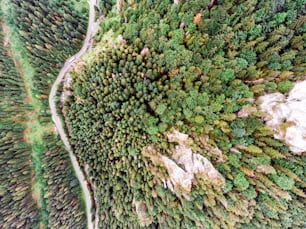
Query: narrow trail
x=91, y=30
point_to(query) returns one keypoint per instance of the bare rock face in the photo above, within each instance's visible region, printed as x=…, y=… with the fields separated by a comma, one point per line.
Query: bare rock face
x=184, y=165
x=193, y=163
x=120, y=40
x=144, y=52
x=287, y=116
x=177, y=175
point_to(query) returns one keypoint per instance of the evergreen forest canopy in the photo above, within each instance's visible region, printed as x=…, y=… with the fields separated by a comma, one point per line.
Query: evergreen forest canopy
x=38, y=187
x=164, y=82
x=159, y=67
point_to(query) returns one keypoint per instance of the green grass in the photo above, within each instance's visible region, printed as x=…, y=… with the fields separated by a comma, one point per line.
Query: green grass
x=40, y=184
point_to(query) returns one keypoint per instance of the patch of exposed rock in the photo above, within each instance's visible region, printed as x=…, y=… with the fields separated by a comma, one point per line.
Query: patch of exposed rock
x=287, y=116
x=183, y=165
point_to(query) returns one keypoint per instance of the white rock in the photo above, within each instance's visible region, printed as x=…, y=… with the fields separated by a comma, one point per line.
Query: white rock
x=184, y=165
x=177, y=175
x=291, y=110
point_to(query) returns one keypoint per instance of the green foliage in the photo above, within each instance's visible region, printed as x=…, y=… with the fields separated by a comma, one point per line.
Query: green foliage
x=161, y=108
x=238, y=128
x=178, y=36
x=203, y=66
x=285, y=86
x=17, y=207
x=177, y=58
x=38, y=43
x=227, y=75
x=249, y=193
x=228, y=186
x=57, y=36
x=284, y=182
x=131, y=31
x=279, y=18
x=241, y=182
x=199, y=119
x=248, y=55
x=234, y=160
x=65, y=193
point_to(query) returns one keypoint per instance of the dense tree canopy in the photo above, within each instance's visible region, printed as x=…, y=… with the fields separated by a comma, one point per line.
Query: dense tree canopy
x=15, y=153
x=195, y=67
x=38, y=187
x=186, y=67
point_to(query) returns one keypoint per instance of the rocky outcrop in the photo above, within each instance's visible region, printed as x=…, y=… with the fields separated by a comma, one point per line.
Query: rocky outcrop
x=184, y=165
x=287, y=116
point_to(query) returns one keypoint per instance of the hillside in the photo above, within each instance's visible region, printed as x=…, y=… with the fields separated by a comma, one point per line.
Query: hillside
x=38, y=183
x=165, y=110
x=152, y=114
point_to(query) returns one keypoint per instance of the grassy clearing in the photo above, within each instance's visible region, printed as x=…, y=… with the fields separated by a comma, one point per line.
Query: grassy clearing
x=40, y=184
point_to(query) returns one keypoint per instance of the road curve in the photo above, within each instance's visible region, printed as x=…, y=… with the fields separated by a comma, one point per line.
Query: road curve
x=91, y=29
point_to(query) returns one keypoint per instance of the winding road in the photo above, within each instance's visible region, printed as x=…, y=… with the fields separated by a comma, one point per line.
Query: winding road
x=91, y=30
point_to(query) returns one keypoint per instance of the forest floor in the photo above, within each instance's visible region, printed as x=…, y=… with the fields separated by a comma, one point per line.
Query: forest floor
x=34, y=130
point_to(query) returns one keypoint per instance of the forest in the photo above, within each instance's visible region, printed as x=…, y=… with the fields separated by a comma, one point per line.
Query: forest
x=38, y=186
x=164, y=67
x=15, y=154
x=162, y=112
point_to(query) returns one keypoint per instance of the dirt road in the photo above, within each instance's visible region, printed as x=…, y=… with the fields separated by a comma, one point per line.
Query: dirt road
x=92, y=28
